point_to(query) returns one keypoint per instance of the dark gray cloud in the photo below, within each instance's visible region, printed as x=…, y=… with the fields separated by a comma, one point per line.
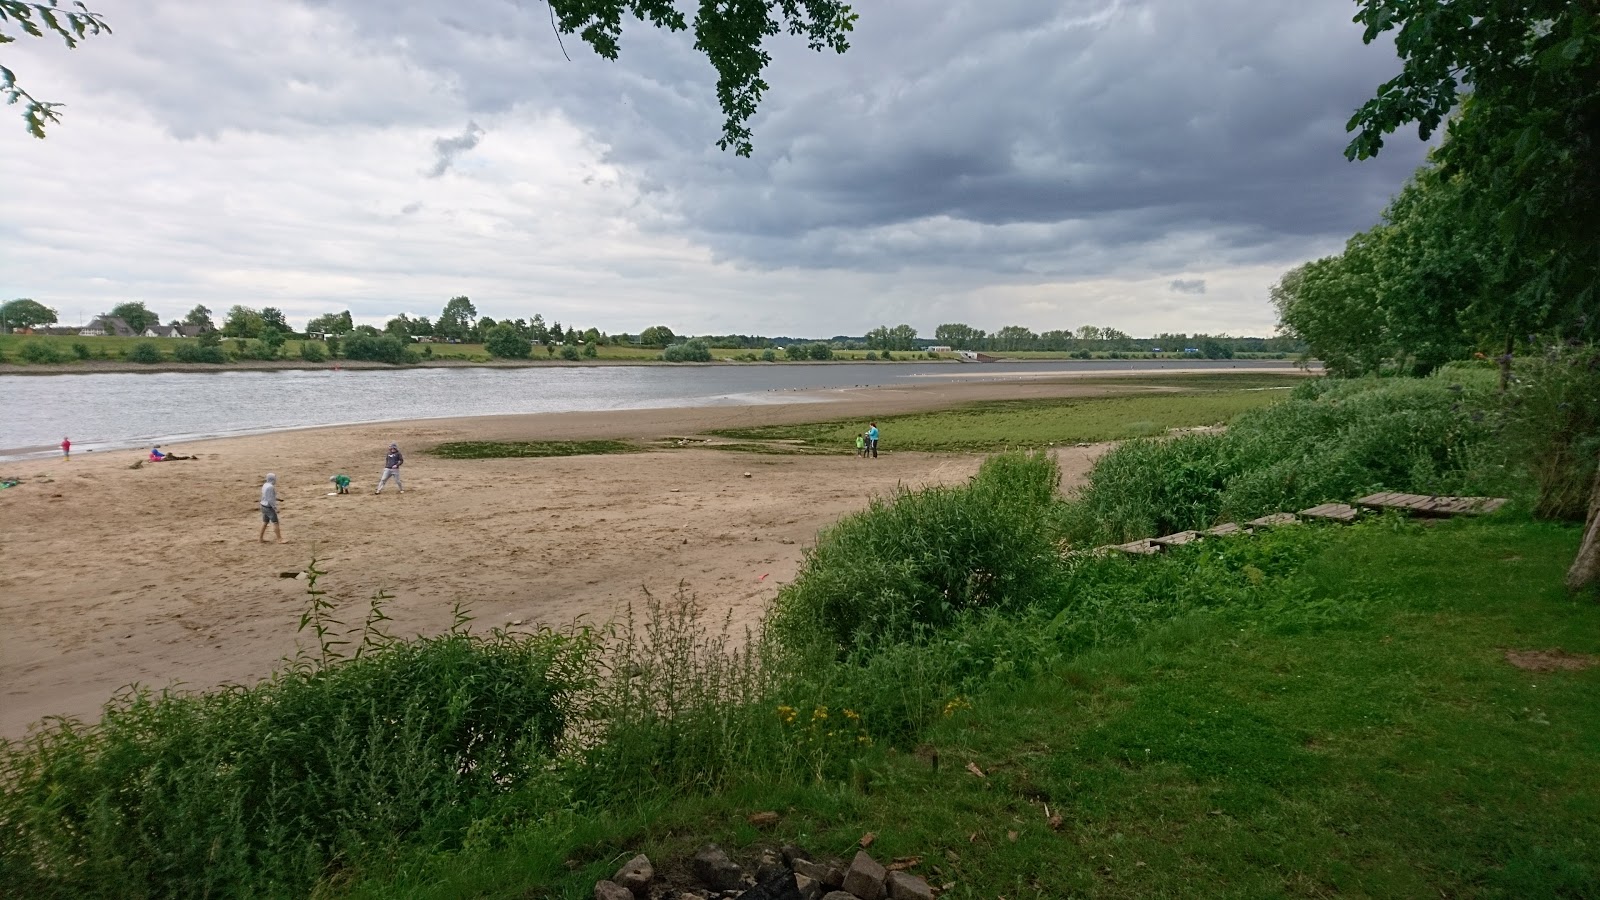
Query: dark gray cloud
x=445, y=150
x=962, y=151
x=1187, y=286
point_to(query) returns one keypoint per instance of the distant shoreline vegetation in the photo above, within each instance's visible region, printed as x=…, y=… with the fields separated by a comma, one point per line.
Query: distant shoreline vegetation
x=57, y=354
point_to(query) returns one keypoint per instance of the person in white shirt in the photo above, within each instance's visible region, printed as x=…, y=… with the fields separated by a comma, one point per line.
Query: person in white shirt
x=269, y=509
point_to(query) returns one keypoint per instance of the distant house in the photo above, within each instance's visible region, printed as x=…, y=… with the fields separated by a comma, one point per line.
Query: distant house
x=161, y=331
x=192, y=330
x=104, y=326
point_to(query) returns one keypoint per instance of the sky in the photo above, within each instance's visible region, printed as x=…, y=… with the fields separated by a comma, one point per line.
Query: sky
x=1149, y=165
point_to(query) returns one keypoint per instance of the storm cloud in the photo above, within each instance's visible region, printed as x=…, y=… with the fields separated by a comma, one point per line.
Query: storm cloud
x=1150, y=165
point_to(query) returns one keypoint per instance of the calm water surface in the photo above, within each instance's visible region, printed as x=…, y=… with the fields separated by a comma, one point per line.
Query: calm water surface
x=116, y=410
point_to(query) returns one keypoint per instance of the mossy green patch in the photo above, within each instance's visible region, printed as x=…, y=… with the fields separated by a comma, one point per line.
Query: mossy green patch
x=530, y=449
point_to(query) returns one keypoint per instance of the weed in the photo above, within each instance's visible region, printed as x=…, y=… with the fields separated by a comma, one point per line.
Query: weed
x=518, y=449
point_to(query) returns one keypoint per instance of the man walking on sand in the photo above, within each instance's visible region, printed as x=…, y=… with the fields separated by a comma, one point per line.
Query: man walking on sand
x=872, y=439
x=269, y=509
x=392, y=462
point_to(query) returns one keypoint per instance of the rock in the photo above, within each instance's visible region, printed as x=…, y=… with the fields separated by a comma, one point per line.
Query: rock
x=772, y=867
x=712, y=866
x=809, y=888
x=778, y=885
x=824, y=874
x=610, y=890
x=865, y=877
x=636, y=875
x=838, y=895
x=747, y=474
x=791, y=853
x=906, y=886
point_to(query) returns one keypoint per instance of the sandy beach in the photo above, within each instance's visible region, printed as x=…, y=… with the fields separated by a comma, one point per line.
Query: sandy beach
x=155, y=574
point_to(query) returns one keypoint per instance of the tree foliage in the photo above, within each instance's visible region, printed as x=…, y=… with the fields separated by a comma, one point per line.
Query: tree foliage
x=505, y=341
x=38, y=20
x=136, y=314
x=200, y=317
x=729, y=34
x=331, y=323
x=25, y=313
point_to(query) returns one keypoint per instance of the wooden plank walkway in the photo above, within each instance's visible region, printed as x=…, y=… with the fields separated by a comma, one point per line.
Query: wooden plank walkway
x=1343, y=513
x=1424, y=505
x=1138, y=548
x=1225, y=529
x=1275, y=520
x=1176, y=540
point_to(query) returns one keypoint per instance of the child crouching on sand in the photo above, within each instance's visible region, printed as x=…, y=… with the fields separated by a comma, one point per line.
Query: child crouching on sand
x=341, y=484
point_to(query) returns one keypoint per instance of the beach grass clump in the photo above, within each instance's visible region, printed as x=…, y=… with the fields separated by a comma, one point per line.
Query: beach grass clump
x=270, y=789
x=912, y=562
x=530, y=449
x=1333, y=440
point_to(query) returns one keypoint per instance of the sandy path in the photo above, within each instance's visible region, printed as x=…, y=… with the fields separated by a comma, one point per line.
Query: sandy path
x=155, y=575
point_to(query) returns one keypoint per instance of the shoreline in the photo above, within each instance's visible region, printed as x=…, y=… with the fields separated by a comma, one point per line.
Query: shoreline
x=154, y=574
x=963, y=374
x=121, y=367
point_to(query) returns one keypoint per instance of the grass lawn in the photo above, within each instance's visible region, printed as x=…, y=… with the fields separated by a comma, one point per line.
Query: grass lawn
x=1371, y=741
x=1203, y=400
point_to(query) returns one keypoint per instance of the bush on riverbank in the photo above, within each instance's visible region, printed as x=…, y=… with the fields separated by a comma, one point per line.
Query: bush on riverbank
x=1332, y=440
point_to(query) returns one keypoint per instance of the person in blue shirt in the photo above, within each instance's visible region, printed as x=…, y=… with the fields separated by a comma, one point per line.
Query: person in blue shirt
x=872, y=439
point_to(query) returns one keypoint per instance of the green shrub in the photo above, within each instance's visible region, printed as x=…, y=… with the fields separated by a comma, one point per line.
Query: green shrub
x=207, y=348
x=1550, y=423
x=570, y=353
x=590, y=351
x=257, y=791
x=146, y=352
x=872, y=356
x=376, y=348
x=41, y=353
x=81, y=350
x=915, y=561
x=1333, y=440
x=769, y=355
x=689, y=351
x=312, y=351
x=506, y=342
x=820, y=350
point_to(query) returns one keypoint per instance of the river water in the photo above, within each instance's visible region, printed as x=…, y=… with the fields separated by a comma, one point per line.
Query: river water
x=119, y=410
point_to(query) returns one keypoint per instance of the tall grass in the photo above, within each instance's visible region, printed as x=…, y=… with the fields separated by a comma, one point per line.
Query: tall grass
x=914, y=561
x=1333, y=440
x=266, y=790
x=1550, y=422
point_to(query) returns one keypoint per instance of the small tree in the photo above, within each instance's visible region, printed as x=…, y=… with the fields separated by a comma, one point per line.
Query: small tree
x=136, y=315
x=144, y=352
x=506, y=342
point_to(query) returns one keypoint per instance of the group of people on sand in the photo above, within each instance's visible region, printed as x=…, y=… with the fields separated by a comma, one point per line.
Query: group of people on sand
x=392, y=461
x=867, y=442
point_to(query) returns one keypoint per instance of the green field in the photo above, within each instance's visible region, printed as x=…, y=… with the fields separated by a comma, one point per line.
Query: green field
x=1203, y=400
x=1359, y=734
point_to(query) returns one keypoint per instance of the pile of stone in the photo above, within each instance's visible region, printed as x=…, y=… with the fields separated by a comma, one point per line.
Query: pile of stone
x=786, y=874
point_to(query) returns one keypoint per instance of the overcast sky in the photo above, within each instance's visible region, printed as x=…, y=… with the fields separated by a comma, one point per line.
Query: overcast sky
x=1151, y=165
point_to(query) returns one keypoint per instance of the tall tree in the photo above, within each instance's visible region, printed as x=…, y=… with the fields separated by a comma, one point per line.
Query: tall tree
x=136, y=315
x=456, y=319
x=37, y=20
x=25, y=313
x=200, y=317
x=243, y=322
x=958, y=336
x=1524, y=144
x=273, y=318
x=332, y=323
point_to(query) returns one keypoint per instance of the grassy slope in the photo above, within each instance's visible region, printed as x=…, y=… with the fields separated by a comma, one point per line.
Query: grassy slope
x=1204, y=400
x=1382, y=747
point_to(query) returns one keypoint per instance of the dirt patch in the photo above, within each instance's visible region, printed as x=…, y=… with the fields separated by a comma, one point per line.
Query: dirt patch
x=1550, y=660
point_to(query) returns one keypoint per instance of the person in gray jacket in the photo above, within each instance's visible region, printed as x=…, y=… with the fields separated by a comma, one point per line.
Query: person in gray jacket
x=269, y=509
x=392, y=461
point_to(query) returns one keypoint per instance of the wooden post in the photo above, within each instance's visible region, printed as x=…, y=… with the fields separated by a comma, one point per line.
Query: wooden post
x=1585, y=569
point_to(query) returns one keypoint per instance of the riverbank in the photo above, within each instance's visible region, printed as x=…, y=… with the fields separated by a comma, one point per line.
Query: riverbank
x=155, y=574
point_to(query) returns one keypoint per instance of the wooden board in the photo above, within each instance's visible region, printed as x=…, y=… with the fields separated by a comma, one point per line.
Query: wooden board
x=1273, y=521
x=1176, y=540
x=1225, y=529
x=1332, y=512
x=1139, y=548
x=1426, y=505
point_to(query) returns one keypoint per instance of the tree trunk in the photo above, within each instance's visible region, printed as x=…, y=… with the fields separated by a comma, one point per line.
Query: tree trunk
x=1585, y=569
